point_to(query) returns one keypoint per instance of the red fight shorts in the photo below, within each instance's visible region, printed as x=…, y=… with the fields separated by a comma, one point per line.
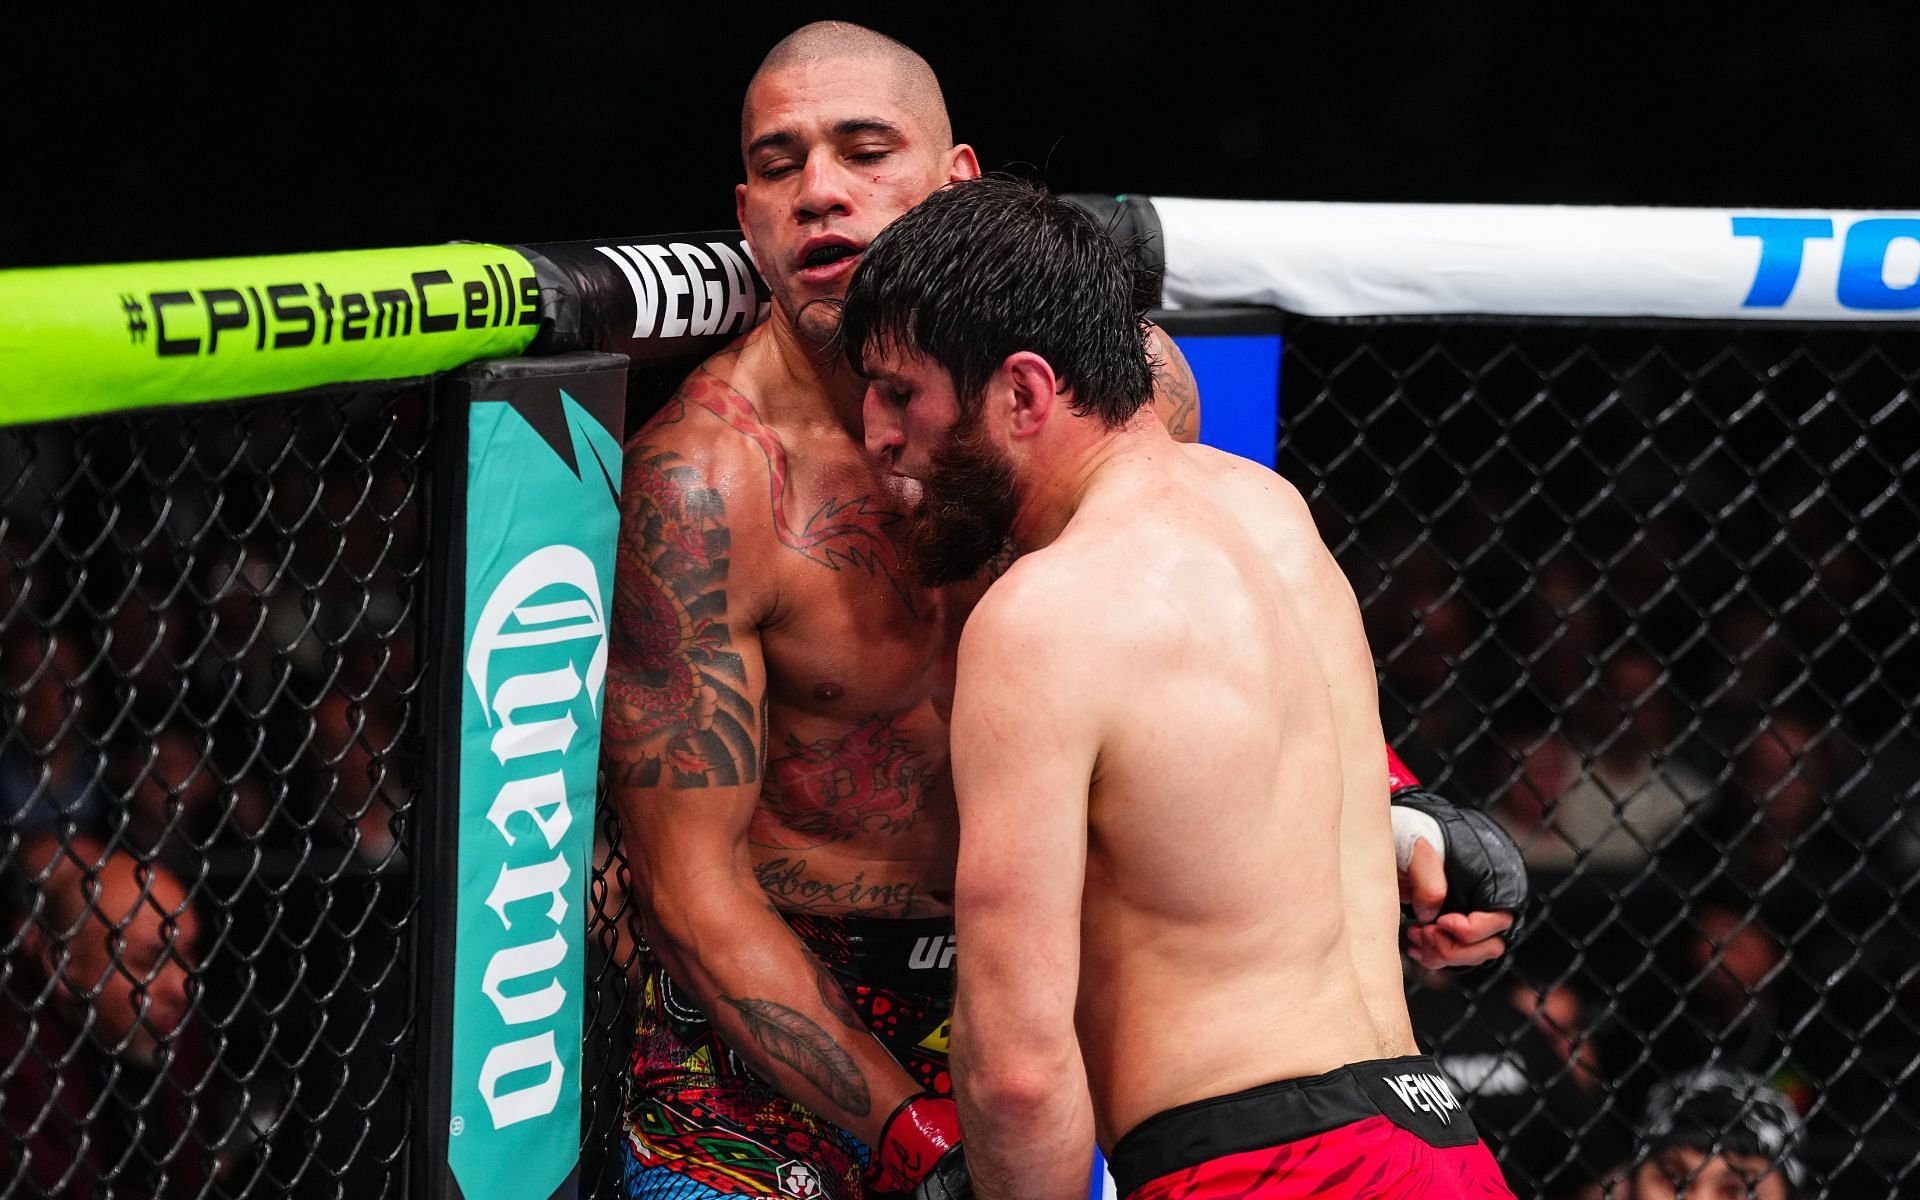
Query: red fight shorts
x=1385, y=1130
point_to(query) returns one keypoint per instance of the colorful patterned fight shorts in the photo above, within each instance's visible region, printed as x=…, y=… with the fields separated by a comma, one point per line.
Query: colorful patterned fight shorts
x=701, y=1124
x=1391, y=1129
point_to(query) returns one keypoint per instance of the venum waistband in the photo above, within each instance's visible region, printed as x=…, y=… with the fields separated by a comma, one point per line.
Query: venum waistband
x=1411, y=1092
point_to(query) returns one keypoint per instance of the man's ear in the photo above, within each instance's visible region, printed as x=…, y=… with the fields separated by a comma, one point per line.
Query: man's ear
x=1032, y=392
x=740, y=206
x=962, y=163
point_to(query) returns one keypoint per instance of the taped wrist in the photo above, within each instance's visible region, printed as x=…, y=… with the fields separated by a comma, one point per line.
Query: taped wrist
x=913, y=1142
x=1485, y=870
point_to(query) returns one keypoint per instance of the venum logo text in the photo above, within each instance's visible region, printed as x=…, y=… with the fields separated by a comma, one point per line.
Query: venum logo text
x=1422, y=1092
x=533, y=631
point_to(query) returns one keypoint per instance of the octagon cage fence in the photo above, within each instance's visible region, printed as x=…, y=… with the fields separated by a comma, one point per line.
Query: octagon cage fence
x=1637, y=564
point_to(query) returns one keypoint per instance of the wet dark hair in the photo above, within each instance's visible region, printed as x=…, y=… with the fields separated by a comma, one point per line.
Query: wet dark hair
x=989, y=267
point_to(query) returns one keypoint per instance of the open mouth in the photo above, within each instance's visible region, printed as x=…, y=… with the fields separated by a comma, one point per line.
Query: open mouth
x=826, y=256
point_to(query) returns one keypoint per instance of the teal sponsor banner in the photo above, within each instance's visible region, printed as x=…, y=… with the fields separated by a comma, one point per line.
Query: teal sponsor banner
x=542, y=519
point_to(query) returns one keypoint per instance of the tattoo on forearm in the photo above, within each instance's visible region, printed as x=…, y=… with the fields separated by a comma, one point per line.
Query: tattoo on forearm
x=871, y=782
x=858, y=532
x=677, y=708
x=787, y=881
x=791, y=1038
x=835, y=998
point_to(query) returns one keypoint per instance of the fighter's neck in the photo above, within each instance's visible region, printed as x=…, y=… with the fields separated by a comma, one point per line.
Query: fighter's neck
x=800, y=383
x=1061, y=477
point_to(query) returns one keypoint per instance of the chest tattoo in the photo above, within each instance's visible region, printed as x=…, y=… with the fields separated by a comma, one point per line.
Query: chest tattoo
x=855, y=533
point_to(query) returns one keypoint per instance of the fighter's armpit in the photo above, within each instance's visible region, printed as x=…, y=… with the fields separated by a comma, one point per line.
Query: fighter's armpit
x=678, y=707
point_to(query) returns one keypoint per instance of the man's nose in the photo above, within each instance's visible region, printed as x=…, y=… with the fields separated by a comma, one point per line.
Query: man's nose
x=883, y=433
x=823, y=188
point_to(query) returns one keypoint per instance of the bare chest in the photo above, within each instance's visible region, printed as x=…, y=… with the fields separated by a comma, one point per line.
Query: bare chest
x=852, y=634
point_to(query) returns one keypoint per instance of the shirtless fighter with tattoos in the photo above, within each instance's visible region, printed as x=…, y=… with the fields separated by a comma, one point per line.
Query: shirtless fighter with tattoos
x=777, y=698
x=1175, y=895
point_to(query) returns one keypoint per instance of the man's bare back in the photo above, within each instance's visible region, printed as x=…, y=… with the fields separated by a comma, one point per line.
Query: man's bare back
x=1176, y=890
x=1253, y=788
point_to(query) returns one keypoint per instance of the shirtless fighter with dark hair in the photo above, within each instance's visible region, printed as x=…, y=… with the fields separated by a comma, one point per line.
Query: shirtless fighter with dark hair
x=1176, y=894
x=777, y=698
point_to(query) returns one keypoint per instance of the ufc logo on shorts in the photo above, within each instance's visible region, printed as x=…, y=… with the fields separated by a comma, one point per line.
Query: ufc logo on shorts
x=1424, y=1093
x=932, y=952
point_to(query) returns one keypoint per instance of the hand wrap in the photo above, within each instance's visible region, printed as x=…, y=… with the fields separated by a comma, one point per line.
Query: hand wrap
x=1485, y=871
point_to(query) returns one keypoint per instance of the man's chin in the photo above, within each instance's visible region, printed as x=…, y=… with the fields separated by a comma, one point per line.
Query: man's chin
x=946, y=552
x=818, y=320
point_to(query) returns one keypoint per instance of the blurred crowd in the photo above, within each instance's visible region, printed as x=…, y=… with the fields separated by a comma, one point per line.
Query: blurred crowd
x=1678, y=666
x=209, y=629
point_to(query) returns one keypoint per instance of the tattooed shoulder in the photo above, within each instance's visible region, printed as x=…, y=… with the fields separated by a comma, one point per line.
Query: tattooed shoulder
x=680, y=707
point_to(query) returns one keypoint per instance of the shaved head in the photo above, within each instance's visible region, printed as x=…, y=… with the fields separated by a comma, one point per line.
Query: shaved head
x=914, y=83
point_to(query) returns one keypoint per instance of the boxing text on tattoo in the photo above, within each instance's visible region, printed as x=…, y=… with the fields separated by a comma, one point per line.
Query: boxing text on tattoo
x=787, y=882
x=857, y=532
x=791, y=1038
x=873, y=781
x=677, y=706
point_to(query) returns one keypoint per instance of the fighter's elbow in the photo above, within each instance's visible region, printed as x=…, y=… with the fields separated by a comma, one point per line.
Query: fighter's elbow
x=1013, y=1093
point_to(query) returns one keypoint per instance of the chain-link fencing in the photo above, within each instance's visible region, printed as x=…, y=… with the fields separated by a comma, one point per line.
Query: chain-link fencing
x=1647, y=594
x=210, y=678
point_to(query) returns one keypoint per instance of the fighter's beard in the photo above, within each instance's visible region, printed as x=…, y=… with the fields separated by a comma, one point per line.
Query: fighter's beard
x=967, y=508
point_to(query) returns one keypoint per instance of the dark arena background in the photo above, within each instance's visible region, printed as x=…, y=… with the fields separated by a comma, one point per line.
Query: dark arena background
x=1642, y=586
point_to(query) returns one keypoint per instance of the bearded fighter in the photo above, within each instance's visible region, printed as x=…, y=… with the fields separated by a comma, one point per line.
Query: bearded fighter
x=1176, y=894
x=778, y=689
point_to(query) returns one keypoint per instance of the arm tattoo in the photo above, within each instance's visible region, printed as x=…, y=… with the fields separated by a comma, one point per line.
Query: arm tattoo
x=789, y=1037
x=835, y=998
x=676, y=692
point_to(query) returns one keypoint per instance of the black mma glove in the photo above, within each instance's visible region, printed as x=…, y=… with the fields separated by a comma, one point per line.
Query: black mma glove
x=1485, y=871
x=949, y=1180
